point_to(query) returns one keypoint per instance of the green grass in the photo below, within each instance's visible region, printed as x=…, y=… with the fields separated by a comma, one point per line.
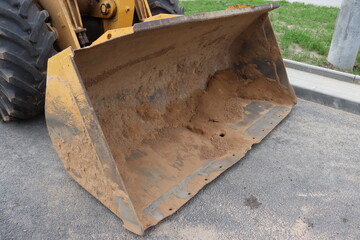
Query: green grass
x=304, y=32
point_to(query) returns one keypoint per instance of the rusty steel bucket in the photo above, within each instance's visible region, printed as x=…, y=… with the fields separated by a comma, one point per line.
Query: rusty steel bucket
x=145, y=120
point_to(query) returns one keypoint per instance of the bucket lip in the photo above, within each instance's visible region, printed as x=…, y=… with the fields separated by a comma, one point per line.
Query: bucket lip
x=197, y=17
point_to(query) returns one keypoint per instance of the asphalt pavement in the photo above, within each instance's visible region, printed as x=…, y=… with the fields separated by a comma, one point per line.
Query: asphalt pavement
x=301, y=182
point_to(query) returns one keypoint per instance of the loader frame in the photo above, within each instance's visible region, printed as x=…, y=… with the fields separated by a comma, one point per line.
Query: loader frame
x=116, y=15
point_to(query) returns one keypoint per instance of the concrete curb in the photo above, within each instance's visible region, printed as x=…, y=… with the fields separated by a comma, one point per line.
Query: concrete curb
x=327, y=100
x=326, y=91
x=342, y=76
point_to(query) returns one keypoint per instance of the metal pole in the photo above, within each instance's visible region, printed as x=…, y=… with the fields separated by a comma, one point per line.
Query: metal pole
x=346, y=40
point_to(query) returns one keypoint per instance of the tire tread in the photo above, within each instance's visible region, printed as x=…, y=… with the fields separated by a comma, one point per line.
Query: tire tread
x=23, y=63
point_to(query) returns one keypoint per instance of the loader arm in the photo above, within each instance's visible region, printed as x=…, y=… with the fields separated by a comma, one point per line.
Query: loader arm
x=66, y=17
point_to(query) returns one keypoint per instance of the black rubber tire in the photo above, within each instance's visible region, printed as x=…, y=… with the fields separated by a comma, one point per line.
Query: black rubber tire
x=26, y=43
x=165, y=6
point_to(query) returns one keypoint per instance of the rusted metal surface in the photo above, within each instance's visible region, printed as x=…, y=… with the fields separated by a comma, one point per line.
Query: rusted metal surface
x=145, y=120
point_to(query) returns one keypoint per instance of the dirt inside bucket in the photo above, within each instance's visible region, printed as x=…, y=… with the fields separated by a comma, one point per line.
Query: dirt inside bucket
x=155, y=146
x=205, y=113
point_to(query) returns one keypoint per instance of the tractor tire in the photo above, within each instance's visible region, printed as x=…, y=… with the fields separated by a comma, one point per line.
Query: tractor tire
x=26, y=43
x=165, y=6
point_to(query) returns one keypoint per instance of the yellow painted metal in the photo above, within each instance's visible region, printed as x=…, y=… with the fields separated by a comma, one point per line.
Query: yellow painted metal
x=124, y=15
x=74, y=123
x=66, y=20
x=103, y=9
x=114, y=33
x=142, y=9
x=61, y=20
x=73, y=9
x=161, y=16
x=237, y=6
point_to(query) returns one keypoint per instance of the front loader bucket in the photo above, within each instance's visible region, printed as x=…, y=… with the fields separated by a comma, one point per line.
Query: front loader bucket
x=145, y=120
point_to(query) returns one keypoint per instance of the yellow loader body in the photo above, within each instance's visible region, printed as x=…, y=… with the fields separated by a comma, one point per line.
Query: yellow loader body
x=146, y=117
